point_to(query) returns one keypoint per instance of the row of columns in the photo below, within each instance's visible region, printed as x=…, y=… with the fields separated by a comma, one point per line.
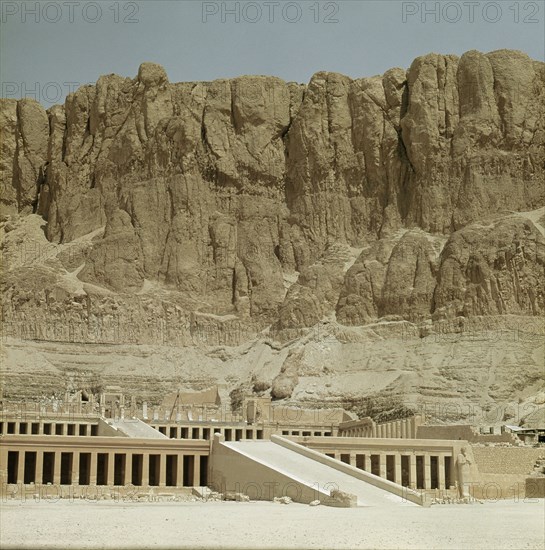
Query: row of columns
x=161, y=415
x=36, y=410
x=14, y=427
x=93, y=473
x=197, y=432
x=404, y=429
x=369, y=430
x=305, y=433
x=426, y=478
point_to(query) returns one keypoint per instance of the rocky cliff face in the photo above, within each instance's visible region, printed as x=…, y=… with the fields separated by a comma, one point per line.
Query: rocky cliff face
x=209, y=212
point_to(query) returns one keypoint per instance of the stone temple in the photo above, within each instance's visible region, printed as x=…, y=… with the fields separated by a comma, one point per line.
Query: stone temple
x=112, y=449
x=249, y=290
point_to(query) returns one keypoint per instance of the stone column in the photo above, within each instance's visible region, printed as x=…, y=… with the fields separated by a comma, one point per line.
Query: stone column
x=398, y=429
x=404, y=428
x=412, y=471
x=145, y=470
x=75, y=468
x=397, y=468
x=427, y=471
x=389, y=430
x=162, y=470
x=111, y=469
x=41, y=427
x=180, y=471
x=382, y=465
x=196, y=471
x=57, y=469
x=128, y=469
x=353, y=459
x=374, y=430
x=39, y=466
x=441, y=471
x=4, y=464
x=453, y=474
x=93, y=469
x=367, y=461
x=21, y=467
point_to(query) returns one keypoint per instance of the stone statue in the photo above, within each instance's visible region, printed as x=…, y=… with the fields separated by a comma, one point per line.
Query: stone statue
x=464, y=464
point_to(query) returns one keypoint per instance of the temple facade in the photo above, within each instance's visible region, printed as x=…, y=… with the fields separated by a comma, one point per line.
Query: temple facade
x=109, y=447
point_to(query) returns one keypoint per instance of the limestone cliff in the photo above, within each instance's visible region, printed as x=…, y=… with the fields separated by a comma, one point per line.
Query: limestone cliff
x=151, y=212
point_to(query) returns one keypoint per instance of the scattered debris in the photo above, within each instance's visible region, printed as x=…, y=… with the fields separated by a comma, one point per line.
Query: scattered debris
x=214, y=496
x=340, y=498
x=238, y=497
x=455, y=500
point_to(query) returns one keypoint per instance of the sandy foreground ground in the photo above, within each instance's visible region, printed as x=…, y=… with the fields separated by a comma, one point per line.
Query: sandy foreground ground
x=106, y=524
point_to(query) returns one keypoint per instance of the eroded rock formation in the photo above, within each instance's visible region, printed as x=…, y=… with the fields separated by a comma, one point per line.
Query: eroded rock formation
x=208, y=212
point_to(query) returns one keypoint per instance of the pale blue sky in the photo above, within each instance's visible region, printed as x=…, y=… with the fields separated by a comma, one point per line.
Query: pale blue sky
x=368, y=38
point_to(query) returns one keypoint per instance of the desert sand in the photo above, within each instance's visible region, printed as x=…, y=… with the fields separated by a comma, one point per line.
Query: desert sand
x=106, y=524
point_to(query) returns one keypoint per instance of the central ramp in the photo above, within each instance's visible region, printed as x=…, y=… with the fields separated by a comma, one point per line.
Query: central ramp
x=133, y=427
x=280, y=467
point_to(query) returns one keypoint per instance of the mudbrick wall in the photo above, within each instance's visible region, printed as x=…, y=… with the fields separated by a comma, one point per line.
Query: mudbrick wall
x=503, y=471
x=506, y=460
x=466, y=433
